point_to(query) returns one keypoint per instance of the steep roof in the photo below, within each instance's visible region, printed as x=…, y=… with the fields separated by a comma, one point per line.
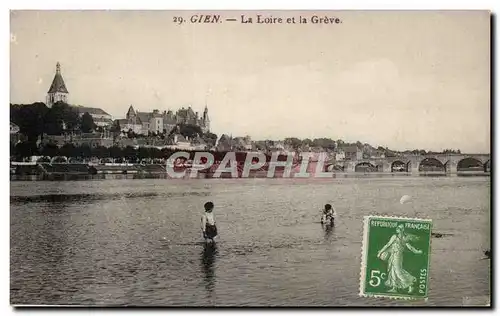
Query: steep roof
x=106, y=120
x=84, y=109
x=143, y=116
x=58, y=82
x=130, y=111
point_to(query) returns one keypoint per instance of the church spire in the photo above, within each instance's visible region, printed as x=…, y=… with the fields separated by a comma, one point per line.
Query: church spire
x=57, y=91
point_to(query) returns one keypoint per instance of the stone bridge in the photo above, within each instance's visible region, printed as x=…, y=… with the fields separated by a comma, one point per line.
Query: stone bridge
x=449, y=163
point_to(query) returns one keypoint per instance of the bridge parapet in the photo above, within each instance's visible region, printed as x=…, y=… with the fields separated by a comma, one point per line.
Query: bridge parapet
x=412, y=162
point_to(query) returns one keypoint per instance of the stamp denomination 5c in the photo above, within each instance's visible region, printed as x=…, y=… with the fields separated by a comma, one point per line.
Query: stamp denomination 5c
x=395, y=257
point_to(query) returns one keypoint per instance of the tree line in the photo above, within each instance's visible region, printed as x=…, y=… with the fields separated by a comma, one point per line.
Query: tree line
x=84, y=152
x=37, y=119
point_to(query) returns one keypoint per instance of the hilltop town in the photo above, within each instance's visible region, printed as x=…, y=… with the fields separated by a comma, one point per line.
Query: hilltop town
x=57, y=126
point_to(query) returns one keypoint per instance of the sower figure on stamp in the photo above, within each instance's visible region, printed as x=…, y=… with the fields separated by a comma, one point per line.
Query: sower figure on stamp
x=397, y=276
x=208, y=223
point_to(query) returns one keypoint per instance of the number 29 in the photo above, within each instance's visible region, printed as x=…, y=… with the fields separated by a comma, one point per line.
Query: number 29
x=178, y=19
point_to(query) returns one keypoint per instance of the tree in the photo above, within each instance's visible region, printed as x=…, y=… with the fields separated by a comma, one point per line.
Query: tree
x=50, y=150
x=115, y=152
x=84, y=151
x=88, y=124
x=189, y=130
x=100, y=152
x=30, y=118
x=12, y=149
x=293, y=142
x=325, y=143
x=115, y=129
x=26, y=149
x=130, y=153
x=307, y=142
x=210, y=138
x=62, y=117
x=131, y=134
x=68, y=150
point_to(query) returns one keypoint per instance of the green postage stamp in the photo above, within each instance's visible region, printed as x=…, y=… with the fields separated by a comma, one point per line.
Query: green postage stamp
x=395, y=257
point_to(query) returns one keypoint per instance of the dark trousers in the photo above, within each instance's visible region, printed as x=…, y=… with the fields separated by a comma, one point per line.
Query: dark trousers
x=210, y=231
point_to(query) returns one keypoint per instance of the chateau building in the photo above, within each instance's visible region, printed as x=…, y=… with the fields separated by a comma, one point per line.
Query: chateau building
x=138, y=122
x=157, y=122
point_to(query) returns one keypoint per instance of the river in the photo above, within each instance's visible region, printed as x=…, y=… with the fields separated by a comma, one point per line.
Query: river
x=138, y=242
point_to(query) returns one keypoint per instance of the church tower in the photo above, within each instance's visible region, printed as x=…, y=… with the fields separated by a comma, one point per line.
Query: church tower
x=57, y=91
x=206, y=120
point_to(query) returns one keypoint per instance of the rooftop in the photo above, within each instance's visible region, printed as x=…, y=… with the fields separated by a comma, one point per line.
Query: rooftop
x=90, y=110
x=58, y=82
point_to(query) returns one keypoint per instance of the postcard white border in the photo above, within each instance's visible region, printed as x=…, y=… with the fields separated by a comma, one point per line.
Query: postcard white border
x=493, y=5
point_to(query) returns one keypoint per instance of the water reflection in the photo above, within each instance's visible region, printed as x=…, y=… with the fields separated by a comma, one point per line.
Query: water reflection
x=208, y=259
x=328, y=230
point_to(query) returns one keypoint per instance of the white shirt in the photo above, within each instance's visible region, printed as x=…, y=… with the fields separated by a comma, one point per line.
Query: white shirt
x=207, y=218
x=331, y=212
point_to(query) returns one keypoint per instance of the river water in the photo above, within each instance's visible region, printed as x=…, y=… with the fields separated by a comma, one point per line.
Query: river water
x=138, y=242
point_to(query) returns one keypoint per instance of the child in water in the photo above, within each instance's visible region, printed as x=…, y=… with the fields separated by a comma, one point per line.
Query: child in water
x=328, y=215
x=208, y=223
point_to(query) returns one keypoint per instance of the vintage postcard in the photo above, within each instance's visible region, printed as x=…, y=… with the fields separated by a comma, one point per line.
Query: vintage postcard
x=230, y=158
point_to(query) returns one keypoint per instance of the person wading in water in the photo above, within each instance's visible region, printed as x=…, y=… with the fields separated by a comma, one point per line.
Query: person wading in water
x=208, y=223
x=328, y=216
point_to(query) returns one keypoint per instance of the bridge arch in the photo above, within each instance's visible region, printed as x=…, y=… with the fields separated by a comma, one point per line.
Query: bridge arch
x=365, y=167
x=431, y=164
x=399, y=166
x=487, y=166
x=59, y=159
x=470, y=164
x=44, y=159
x=335, y=168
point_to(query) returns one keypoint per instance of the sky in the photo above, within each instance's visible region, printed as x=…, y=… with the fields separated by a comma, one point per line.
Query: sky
x=402, y=80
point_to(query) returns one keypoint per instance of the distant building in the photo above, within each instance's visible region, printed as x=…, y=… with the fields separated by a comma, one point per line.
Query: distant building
x=242, y=143
x=225, y=143
x=89, y=139
x=352, y=153
x=57, y=91
x=378, y=154
x=181, y=143
x=146, y=122
x=339, y=155
x=100, y=117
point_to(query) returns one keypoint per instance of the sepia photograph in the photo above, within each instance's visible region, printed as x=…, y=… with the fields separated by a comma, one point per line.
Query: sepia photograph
x=287, y=158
